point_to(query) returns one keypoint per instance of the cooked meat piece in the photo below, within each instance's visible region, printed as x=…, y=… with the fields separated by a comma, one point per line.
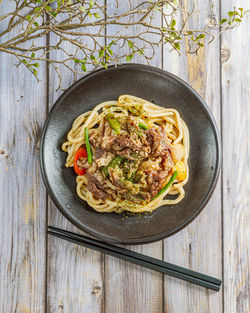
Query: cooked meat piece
x=156, y=138
x=104, y=159
x=107, y=130
x=95, y=136
x=98, y=186
x=101, y=138
x=99, y=152
x=155, y=180
x=129, y=148
x=106, y=143
x=107, y=137
x=98, y=193
x=91, y=168
x=167, y=162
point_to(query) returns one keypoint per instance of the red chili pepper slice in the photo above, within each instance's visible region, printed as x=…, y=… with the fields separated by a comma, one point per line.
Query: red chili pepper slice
x=80, y=153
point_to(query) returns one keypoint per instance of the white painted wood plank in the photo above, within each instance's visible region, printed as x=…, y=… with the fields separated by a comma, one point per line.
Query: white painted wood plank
x=130, y=288
x=22, y=199
x=75, y=273
x=236, y=165
x=199, y=245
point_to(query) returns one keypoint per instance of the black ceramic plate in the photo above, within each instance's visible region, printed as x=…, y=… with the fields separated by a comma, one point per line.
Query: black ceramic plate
x=156, y=86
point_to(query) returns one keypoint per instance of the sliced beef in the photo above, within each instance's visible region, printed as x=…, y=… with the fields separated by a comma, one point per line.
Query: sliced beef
x=98, y=193
x=130, y=149
x=96, y=135
x=99, y=152
x=107, y=138
x=156, y=179
x=156, y=138
x=97, y=185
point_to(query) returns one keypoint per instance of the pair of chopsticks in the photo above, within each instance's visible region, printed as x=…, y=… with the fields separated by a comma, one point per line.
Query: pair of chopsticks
x=140, y=259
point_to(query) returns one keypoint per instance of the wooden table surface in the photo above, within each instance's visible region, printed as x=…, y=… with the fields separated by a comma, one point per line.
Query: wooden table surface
x=39, y=273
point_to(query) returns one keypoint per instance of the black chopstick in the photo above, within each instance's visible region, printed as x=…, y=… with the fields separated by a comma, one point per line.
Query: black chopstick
x=140, y=259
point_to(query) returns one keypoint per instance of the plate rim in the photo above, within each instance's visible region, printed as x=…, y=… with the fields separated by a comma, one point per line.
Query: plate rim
x=143, y=240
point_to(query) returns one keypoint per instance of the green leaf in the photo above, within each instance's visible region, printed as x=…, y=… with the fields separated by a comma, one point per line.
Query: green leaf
x=91, y=3
x=111, y=43
x=97, y=15
x=89, y=14
x=24, y=61
x=28, y=17
x=104, y=65
x=36, y=24
x=76, y=61
x=107, y=57
x=130, y=44
x=173, y=23
x=177, y=46
x=224, y=20
x=34, y=72
x=92, y=57
x=237, y=20
x=201, y=36
x=37, y=9
x=33, y=54
x=230, y=13
x=110, y=52
x=54, y=14
x=35, y=64
x=84, y=68
x=48, y=8
x=140, y=51
x=129, y=57
x=101, y=53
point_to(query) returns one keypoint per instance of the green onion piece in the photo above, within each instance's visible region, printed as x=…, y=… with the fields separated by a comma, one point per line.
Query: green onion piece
x=116, y=161
x=104, y=171
x=114, y=123
x=143, y=126
x=167, y=186
x=88, y=147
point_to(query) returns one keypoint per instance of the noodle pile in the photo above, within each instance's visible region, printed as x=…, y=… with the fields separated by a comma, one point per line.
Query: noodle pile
x=177, y=134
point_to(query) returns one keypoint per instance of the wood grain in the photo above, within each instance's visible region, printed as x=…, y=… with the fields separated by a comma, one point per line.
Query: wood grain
x=236, y=165
x=130, y=288
x=22, y=199
x=199, y=245
x=81, y=280
x=75, y=273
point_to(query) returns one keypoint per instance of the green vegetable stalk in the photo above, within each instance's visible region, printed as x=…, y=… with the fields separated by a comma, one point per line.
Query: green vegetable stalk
x=114, y=123
x=88, y=147
x=143, y=126
x=167, y=186
x=116, y=161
